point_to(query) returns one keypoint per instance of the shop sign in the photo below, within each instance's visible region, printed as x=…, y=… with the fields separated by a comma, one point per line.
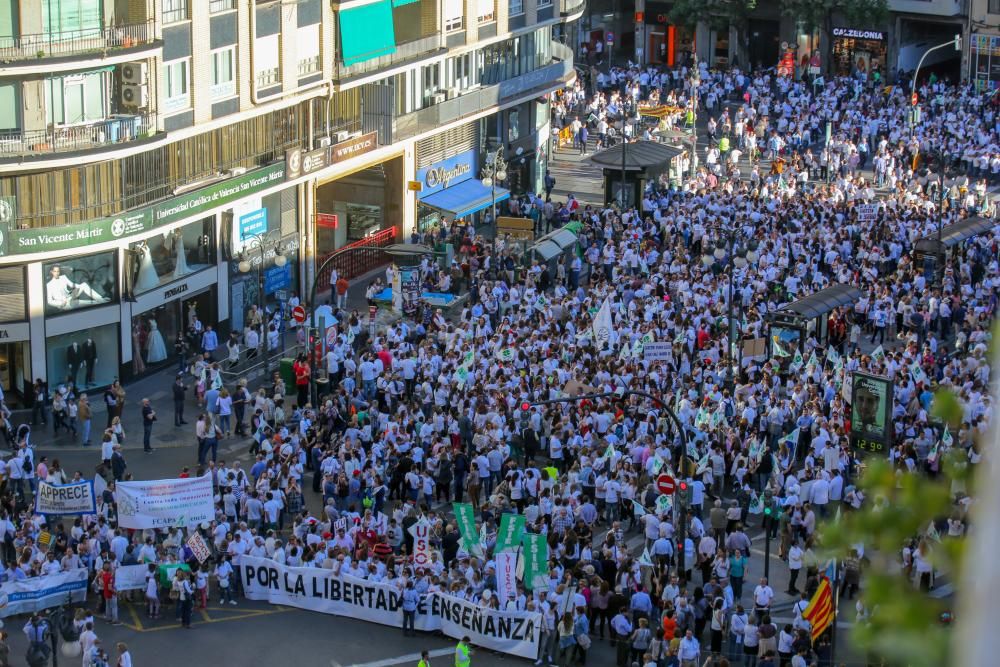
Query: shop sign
x=253, y=223
x=345, y=150
x=175, y=291
x=447, y=173
x=23, y=241
x=11, y=333
x=301, y=163
x=855, y=33
x=277, y=278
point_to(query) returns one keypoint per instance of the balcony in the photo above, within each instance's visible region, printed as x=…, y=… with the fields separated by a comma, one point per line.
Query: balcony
x=112, y=131
x=98, y=41
x=486, y=97
x=404, y=53
x=571, y=7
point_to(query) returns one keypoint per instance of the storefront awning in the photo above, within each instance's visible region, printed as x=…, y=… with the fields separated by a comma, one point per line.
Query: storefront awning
x=465, y=198
x=366, y=32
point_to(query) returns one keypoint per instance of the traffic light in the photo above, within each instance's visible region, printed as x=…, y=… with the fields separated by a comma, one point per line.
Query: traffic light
x=684, y=493
x=525, y=406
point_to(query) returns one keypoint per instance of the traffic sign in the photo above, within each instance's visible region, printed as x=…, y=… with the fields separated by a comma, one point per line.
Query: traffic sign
x=665, y=484
x=609, y=37
x=299, y=314
x=914, y=99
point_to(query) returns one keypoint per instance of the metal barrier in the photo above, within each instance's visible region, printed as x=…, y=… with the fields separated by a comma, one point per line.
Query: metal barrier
x=369, y=254
x=57, y=44
x=59, y=139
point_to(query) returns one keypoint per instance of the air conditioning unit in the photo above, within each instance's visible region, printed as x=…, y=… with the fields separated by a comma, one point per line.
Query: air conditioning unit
x=439, y=98
x=134, y=73
x=453, y=93
x=135, y=96
x=343, y=135
x=323, y=142
x=236, y=171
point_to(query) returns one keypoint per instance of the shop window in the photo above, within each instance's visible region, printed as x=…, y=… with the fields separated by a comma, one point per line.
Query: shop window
x=80, y=282
x=87, y=358
x=171, y=255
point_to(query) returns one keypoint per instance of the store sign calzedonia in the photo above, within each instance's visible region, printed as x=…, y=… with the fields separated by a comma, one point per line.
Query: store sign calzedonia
x=26, y=241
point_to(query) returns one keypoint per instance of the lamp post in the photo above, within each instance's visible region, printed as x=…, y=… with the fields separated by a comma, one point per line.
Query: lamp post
x=253, y=255
x=695, y=82
x=737, y=255
x=955, y=42
x=767, y=542
x=494, y=170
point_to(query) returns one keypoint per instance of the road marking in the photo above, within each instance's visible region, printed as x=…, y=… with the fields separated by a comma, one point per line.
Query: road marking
x=237, y=614
x=388, y=662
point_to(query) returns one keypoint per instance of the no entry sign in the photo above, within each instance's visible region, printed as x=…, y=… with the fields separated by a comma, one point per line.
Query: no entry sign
x=299, y=313
x=665, y=484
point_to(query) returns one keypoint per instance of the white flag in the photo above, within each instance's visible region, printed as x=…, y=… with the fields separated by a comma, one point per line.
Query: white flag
x=602, y=323
x=756, y=504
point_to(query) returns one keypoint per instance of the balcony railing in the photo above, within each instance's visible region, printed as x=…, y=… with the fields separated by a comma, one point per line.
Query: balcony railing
x=65, y=139
x=96, y=40
x=403, y=53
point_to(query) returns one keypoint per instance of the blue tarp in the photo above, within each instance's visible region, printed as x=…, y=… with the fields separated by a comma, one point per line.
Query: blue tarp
x=465, y=198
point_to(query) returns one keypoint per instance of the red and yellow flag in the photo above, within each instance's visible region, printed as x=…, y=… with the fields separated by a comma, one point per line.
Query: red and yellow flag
x=820, y=612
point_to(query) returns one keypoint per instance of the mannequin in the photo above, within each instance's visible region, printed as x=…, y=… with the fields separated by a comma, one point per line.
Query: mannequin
x=90, y=358
x=137, y=346
x=156, y=350
x=74, y=357
x=192, y=314
x=177, y=245
x=147, y=277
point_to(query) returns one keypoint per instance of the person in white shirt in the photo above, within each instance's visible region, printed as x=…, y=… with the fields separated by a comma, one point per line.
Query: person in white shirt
x=63, y=294
x=762, y=596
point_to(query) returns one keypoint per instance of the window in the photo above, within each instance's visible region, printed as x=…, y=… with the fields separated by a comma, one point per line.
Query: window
x=9, y=107
x=307, y=43
x=216, y=6
x=175, y=76
x=80, y=18
x=8, y=19
x=267, y=61
x=487, y=11
x=544, y=3
x=454, y=15
x=76, y=98
x=515, y=7
x=174, y=11
x=993, y=7
x=223, y=73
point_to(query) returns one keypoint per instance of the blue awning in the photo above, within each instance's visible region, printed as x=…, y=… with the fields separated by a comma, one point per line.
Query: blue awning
x=465, y=198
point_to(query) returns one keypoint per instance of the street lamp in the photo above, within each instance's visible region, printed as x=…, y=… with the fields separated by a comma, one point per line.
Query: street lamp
x=695, y=82
x=255, y=250
x=494, y=170
x=955, y=42
x=736, y=255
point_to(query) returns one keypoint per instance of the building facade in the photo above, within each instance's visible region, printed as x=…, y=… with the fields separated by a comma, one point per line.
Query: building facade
x=151, y=149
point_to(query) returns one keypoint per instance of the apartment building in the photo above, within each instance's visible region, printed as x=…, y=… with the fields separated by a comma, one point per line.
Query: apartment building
x=166, y=161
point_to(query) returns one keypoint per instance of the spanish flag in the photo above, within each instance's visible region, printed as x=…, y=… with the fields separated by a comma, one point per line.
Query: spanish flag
x=820, y=612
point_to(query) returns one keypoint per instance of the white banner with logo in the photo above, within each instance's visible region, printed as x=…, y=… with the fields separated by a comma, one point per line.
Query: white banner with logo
x=30, y=595
x=516, y=633
x=75, y=498
x=506, y=576
x=131, y=577
x=421, y=532
x=163, y=503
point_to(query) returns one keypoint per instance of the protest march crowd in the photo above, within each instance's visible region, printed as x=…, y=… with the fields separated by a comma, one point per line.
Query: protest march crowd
x=432, y=458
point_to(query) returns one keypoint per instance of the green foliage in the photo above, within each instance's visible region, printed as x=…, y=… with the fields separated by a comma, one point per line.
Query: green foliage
x=819, y=13
x=717, y=13
x=905, y=623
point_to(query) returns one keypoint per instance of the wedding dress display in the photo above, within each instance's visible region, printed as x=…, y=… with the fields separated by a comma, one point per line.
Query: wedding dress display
x=156, y=350
x=177, y=245
x=147, y=278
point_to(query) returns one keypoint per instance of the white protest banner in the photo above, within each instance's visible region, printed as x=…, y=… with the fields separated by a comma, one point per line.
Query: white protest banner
x=37, y=593
x=657, y=351
x=198, y=547
x=506, y=576
x=867, y=212
x=421, y=532
x=516, y=633
x=131, y=577
x=163, y=503
x=602, y=324
x=75, y=498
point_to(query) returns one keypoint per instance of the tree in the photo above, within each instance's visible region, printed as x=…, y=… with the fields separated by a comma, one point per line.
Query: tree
x=717, y=14
x=819, y=14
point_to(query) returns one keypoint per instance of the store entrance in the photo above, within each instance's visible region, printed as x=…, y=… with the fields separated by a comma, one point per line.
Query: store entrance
x=154, y=331
x=15, y=372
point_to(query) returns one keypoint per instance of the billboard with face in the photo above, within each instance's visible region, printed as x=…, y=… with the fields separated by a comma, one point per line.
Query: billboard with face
x=871, y=412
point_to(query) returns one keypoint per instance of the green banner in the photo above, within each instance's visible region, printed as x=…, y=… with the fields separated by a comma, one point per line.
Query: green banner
x=465, y=517
x=536, y=561
x=141, y=221
x=509, y=536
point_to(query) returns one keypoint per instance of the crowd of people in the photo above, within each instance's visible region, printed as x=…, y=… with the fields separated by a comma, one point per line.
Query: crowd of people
x=434, y=410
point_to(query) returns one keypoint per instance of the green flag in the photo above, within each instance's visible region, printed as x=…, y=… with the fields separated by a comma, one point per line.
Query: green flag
x=663, y=504
x=506, y=354
x=465, y=517
x=756, y=504
x=509, y=535
x=918, y=374
x=946, y=438
x=797, y=361
x=536, y=561
x=657, y=463
x=644, y=559
x=776, y=349
x=878, y=354
x=703, y=464
x=813, y=361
